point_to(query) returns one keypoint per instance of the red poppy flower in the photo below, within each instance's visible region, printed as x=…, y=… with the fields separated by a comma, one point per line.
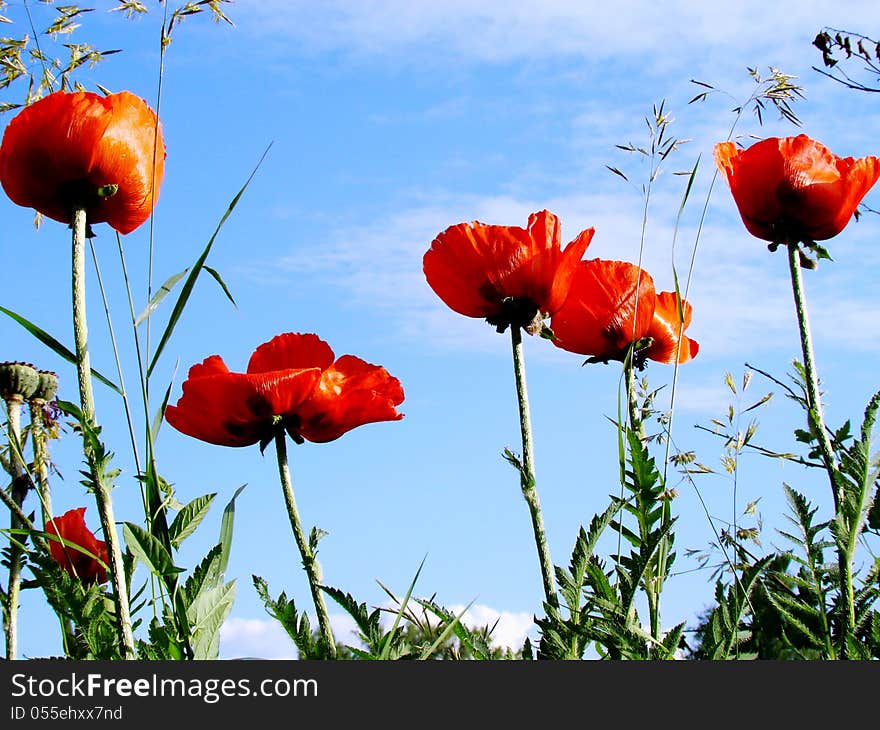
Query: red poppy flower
x=293, y=382
x=611, y=304
x=509, y=275
x=665, y=329
x=71, y=149
x=71, y=526
x=794, y=189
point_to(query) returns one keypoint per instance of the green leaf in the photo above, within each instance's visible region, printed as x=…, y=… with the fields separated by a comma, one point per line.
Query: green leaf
x=219, y=280
x=196, y=269
x=55, y=345
x=450, y=627
x=149, y=550
x=157, y=298
x=386, y=643
x=160, y=414
x=226, y=530
x=206, y=615
x=187, y=520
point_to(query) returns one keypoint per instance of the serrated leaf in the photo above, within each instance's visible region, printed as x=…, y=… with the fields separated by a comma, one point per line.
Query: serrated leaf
x=206, y=615
x=149, y=550
x=188, y=519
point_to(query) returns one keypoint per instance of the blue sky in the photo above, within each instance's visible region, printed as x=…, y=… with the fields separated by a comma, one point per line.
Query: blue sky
x=389, y=121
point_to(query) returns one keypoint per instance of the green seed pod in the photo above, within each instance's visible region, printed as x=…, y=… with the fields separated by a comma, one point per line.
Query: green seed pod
x=18, y=381
x=47, y=386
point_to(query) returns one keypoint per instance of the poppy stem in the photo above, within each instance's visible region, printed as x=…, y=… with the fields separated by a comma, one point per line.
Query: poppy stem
x=817, y=427
x=39, y=442
x=306, y=549
x=527, y=468
x=653, y=579
x=19, y=491
x=79, y=224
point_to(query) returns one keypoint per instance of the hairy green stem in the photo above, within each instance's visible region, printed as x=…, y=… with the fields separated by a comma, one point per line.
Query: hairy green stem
x=79, y=224
x=39, y=441
x=819, y=430
x=309, y=559
x=527, y=469
x=19, y=491
x=654, y=577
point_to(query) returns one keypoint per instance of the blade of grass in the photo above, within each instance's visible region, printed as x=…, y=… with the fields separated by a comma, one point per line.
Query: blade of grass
x=226, y=530
x=55, y=345
x=386, y=645
x=157, y=298
x=426, y=654
x=196, y=269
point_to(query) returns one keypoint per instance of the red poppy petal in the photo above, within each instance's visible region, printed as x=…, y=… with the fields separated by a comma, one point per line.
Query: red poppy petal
x=291, y=351
x=566, y=268
x=71, y=527
x=131, y=154
x=282, y=392
x=526, y=261
x=351, y=393
x=794, y=188
x=47, y=144
x=754, y=176
x=666, y=328
x=212, y=365
x=219, y=409
x=456, y=267
x=610, y=304
x=70, y=140
x=238, y=409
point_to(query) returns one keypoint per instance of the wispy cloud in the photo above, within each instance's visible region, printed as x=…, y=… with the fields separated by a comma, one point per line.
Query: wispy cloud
x=740, y=292
x=499, y=30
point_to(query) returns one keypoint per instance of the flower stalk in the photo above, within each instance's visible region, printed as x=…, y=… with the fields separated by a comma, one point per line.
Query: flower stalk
x=79, y=224
x=819, y=430
x=19, y=490
x=527, y=469
x=309, y=558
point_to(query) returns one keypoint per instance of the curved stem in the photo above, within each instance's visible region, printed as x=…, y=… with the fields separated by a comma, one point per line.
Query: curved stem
x=87, y=404
x=817, y=426
x=309, y=560
x=527, y=469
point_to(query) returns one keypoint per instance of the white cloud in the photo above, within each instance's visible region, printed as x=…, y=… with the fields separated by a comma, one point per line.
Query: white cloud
x=511, y=628
x=266, y=639
x=501, y=30
x=256, y=639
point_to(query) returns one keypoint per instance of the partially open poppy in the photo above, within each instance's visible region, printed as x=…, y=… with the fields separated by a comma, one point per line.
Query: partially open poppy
x=794, y=189
x=71, y=526
x=511, y=276
x=293, y=382
x=613, y=304
x=81, y=149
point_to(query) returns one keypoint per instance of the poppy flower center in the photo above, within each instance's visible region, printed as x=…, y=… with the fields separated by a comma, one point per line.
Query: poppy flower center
x=84, y=194
x=518, y=312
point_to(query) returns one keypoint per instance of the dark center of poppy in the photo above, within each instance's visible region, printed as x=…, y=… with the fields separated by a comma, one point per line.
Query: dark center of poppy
x=84, y=194
x=518, y=312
